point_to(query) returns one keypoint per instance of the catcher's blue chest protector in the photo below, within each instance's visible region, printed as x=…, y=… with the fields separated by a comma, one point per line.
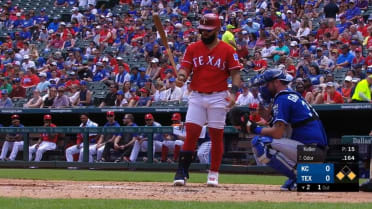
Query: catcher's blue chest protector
x=292, y=109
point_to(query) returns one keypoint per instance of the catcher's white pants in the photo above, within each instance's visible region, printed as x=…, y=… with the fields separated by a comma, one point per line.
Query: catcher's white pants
x=137, y=147
x=16, y=147
x=43, y=147
x=208, y=108
x=7, y=146
x=204, y=152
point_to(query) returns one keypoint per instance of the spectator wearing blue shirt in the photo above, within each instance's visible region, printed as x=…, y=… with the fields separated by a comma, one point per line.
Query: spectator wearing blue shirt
x=314, y=75
x=343, y=25
x=28, y=22
x=345, y=59
x=134, y=75
x=25, y=33
x=5, y=101
x=142, y=78
x=185, y=6
x=61, y=3
x=72, y=2
x=100, y=74
x=353, y=11
x=54, y=25
x=18, y=22
x=251, y=27
x=42, y=18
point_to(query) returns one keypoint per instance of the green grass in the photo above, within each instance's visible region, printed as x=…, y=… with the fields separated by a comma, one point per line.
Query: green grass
x=17, y=203
x=131, y=176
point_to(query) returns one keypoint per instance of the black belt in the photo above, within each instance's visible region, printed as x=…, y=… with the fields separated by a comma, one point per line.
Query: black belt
x=302, y=123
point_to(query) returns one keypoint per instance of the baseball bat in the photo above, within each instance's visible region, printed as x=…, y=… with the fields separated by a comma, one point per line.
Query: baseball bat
x=163, y=37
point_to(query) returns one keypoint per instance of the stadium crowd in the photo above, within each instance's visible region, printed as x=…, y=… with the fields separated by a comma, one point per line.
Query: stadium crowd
x=325, y=45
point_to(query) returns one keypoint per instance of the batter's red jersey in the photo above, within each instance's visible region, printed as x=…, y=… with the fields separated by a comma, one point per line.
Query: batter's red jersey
x=210, y=67
x=46, y=137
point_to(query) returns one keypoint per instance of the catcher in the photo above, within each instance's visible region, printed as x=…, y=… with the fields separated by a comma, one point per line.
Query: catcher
x=294, y=122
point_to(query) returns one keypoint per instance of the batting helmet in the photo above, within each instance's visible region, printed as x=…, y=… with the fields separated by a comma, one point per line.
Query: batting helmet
x=47, y=117
x=209, y=21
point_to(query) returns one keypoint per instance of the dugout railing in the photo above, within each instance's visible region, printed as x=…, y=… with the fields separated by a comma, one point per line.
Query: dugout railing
x=148, y=165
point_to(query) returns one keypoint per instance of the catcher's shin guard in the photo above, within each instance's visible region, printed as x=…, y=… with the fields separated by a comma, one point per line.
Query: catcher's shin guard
x=182, y=173
x=271, y=157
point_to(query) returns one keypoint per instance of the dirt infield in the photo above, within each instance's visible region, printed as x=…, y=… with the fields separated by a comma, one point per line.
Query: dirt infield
x=165, y=191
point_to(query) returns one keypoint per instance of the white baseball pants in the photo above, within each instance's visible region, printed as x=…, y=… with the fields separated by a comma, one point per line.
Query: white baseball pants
x=137, y=147
x=208, y=108
x=16, y=147
x=43, y=147
x=7, y=146
x=74, y=150
x=204, y=152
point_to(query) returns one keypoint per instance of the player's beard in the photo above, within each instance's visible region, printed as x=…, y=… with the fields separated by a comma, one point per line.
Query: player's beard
x=209, y=39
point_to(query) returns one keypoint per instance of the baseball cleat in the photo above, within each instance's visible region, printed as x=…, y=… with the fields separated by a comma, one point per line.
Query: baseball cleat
x=180, y=178
x=289, y=185
x=212, y=179
x=179, y=182
x=366, y=186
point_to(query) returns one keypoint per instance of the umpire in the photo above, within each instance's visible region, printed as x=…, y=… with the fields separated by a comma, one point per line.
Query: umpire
x=294, y=122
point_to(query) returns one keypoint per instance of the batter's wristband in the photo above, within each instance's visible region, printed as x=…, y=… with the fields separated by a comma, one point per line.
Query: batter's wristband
x=258, y=130
x=234, y=89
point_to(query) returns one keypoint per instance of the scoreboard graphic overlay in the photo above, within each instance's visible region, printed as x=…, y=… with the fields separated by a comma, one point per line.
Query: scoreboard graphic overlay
x=332, y=169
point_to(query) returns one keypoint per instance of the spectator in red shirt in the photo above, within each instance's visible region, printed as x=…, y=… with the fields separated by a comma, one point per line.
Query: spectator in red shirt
x=331, y=96
x=322, y=29
x=362, y=28
x=30, y=79
x=259, y=63
x=368, y=60
x=346, y=89
x=279, y=23
x=294, y=50
x=165, y=68
x=358, y=59
x=18, y=91
x=56, y=42
x=73, y=80
x=291, y=68
x=242, y=52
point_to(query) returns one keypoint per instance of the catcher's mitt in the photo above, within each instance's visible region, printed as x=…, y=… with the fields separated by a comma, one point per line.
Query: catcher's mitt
x=239, y=118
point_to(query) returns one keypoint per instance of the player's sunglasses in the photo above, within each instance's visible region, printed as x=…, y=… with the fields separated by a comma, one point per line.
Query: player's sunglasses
x=203, y=30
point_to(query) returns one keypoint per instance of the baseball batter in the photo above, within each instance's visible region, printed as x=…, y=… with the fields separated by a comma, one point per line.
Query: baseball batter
x=211, y=62
x=294, y=122
x=45, y=143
